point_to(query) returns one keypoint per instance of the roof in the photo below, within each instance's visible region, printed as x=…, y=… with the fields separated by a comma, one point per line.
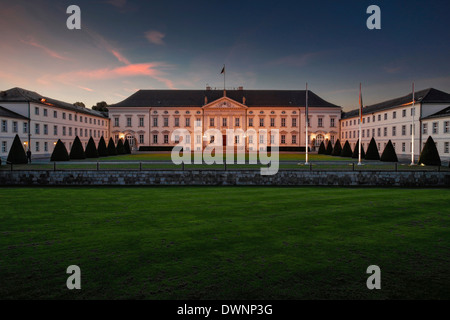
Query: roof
x=22, y=95
x=429, y=95
x=10, y=114
x=441, y=114
x=196, y=98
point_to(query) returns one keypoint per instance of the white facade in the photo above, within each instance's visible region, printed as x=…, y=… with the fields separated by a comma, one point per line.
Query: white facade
x=10, y=125
x=438, y=127
x=153, y=126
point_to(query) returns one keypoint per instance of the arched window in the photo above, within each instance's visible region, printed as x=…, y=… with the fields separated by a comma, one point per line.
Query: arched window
x=130, y=139
x=319, y=139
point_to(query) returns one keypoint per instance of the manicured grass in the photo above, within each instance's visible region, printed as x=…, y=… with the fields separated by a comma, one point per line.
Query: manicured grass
x=224, y=243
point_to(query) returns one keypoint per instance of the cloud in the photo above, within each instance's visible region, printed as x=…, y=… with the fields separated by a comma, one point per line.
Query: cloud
x=120, y=57
x=85, y=88
x=155, y=37
x=48, y=51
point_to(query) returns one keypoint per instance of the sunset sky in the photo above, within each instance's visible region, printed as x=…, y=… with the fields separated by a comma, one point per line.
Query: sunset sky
x=128, y=45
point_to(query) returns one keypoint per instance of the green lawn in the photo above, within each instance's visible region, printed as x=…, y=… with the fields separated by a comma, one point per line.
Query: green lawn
x=224, y=243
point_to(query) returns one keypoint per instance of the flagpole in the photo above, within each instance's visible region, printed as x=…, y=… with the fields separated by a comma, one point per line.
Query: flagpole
x=224, y=75
x=413, y=113
x=360, y=124
x=306, y=124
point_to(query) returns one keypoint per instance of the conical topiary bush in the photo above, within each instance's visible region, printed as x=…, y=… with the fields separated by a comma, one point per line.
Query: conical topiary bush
x=337, y=148
x=347, y=150
x=322, y=149
x=356, y=151
x=120, y=148
x=91, y=150
x=77, y=151
x=60, y=152
x=329, y=149
x=17, y=154
x=372, y=151
x=389, y=154
x=126, y=146
x=430, y=155
x=102, y=150
x=112, y=151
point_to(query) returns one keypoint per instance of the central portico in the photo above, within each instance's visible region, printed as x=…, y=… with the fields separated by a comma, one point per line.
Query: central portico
x=150, y=118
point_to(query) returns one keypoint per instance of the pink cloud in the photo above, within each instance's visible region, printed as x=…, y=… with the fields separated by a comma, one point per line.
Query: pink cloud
x=85, y=88
x=120, y=57
x=45, y=49
x=155, y=37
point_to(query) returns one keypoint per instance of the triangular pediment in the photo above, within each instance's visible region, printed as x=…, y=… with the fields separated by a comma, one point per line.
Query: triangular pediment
x=224, y=103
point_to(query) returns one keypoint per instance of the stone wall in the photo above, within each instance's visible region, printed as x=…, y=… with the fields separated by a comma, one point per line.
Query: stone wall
x=232, y=177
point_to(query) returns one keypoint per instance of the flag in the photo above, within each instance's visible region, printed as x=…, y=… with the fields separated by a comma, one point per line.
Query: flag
x=223, y=70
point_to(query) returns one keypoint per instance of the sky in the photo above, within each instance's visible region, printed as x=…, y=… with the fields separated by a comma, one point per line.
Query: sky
x=126, y=45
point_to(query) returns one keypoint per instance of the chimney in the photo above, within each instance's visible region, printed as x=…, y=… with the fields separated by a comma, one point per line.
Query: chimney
x=243, y=100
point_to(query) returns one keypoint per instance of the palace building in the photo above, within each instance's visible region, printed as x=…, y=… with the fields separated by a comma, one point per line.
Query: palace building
x=395, y=119
x=149, y=117
x=40, y=121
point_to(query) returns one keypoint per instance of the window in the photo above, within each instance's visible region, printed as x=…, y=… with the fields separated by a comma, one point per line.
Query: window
x=4, y=126
x=81, y=133
x=81, y=118
x=283, y=122
x=188, y=122
x=4, y=147
x=46, y=146
x=155, y=138
x=404, y=113
x=394, y=131
x=261, y=138
x=25, y=127
x=188, y=138
x=272, y=122
x=272, y=139
x=64, y=131
x=128, y=121
x=368, y=119
x=55, y=114
x=116, y=122
x=250, y=139
x=37, y=129
x=85, y=119
x=446, y=147
x=85, y=133
x=403, y=130
x=332, y=122
x=294, y=122
x=394, y=114
x=373, y=118
x=373, y=132
x=261, y=122
x=198, y=139
x=224, y=122
x=446, y=126
x=45, y=113
x=379, y=132
x=379, y=117
x=70, y=116
x=76, y=131
x=309, y=122
x=385, y=116
x=166, y=138
x=55, y=130
x=250, y=122
x=236, y=139
x=283, y=139
x=413, y=111
x=177, y=122
x=90, y=120
x=198, y=122
x=155, y=122
x=15, y=127
x=166, y=122
x=294, y=139
x=425, y=128
x=379, y=147
x=211, y=139
x=70, y=131
x=211, y=122
x=362, y=132
x=403, y=147
x=37, y=147
x=237, y=122
x=320, y=122
x=435, y=127
x=141, y=138
x=36, y=111
x=141, y=122
x=385, y=131
x=90, y=132
x=368, y=133
x=64, y=115
x=76, y=117
x=45, y=129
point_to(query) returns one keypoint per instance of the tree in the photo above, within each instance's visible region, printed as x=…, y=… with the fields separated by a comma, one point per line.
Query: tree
x=77, y=151
x=372, y=151
x=337, y=148
x=100, y=106
x=430, y=155
x=102, y=150
x=322, y=149
x=127, y=147
x=329, y=150
x=91, y=150
x=17, y=154
x=60, y=152
x=389, y=154
x=356, y=151
x=80, y=104
x=347, y=150
x=120, y=148
x=112, y=151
